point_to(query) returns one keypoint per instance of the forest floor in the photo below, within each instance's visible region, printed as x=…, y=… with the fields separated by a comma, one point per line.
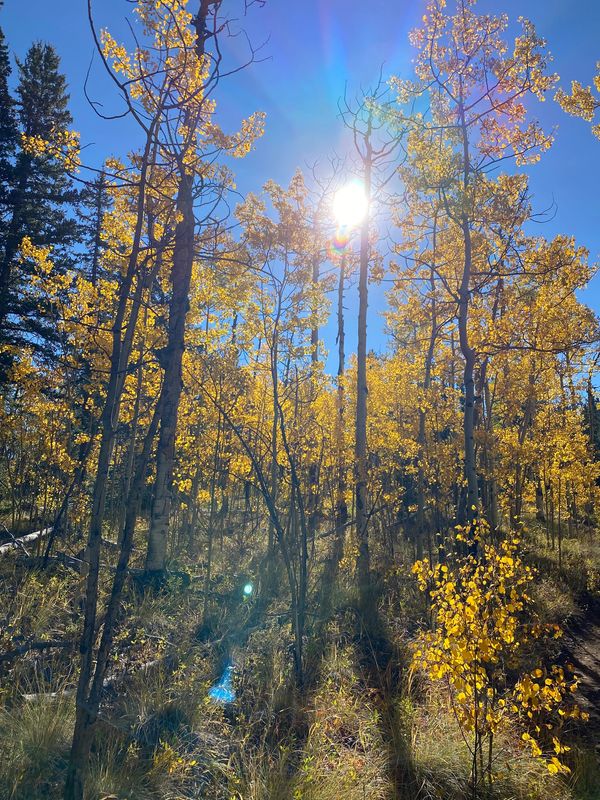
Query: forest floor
x=363, y=728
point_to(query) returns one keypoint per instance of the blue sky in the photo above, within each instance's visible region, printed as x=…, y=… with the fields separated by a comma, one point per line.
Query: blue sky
x=313, y=48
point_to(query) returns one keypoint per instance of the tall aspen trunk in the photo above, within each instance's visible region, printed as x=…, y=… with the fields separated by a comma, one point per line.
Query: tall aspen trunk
x=421, y=436
x=121, y=351
x=88, y=705
x=469, y=355
x=274, y=471
x=128, y=476
x=560, y=533
x=300, y=573
x=330, y=570
x=211, y=522
x=539, y=502
x=341, y=511
x=525, y=427
x=181, y=273
x=363, y=563
x=492, y=480
x=313, y=467
x=83, y=734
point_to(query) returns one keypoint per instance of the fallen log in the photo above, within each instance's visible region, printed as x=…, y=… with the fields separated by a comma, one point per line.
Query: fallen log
x=39, y=696
x=20, y=542
x=112, y=682
x=37, y=645
x=39, y=562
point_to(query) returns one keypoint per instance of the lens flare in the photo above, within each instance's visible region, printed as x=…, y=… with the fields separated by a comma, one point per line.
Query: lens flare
x=350, y=204
x=222, y=691
x=337, y=245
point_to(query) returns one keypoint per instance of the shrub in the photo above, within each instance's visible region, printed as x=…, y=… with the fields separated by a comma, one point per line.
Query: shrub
x=484, y=626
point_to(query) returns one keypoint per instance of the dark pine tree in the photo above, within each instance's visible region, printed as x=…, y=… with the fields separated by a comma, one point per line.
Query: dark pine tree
x=39, y=202
x=94, y=202
x=8, y=134
x=8, y=146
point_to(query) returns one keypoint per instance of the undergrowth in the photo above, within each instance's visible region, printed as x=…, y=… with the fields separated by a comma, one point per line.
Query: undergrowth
x=340, y=738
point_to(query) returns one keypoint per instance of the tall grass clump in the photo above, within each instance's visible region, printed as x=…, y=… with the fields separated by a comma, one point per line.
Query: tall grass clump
x=34, y=741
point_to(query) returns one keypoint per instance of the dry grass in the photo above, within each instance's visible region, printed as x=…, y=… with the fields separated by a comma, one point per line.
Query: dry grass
x=35, y=740
x=442, y=760
x=345, y=753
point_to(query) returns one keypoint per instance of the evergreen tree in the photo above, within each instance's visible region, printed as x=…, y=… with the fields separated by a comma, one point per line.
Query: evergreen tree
x=94, y=201
x=8, y=132
x=39, y=200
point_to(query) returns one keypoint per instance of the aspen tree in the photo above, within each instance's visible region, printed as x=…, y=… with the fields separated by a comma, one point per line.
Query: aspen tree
x=476, y=87
x=374, y=149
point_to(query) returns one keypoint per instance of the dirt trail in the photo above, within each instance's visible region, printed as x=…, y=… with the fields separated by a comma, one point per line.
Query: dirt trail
x=582, y=649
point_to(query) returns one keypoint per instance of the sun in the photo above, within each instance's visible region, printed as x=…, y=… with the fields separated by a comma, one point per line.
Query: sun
x=350, y=204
